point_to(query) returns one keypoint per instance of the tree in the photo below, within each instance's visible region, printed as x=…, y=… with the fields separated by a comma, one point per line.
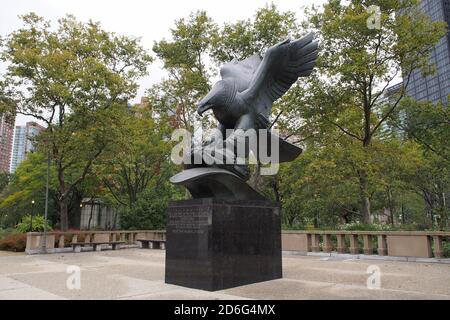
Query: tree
x=357, y=64
x=76, y=79
x=318, y=189
x=244, y=38
x=27, y=184
x=149, y=211
x=139, y=156
x=185, y=60
x=429, y=126
x=6, y=105
x=196, y=42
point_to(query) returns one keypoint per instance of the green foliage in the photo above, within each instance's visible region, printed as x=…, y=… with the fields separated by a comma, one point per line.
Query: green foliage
x=248, y=37
x=149, y=212
x=138, y=158
x=14, y=242
x=185, y=60
x=76, y=78
x=446, y=249
x=35, y=223
x=429, y=126
x=367, y=227
x=426, y=123
x=341, y=101
x=6, y=105
x=4, y=180
x=27, y=185
x=351, y=169
x=6, y=232
x=361, y=158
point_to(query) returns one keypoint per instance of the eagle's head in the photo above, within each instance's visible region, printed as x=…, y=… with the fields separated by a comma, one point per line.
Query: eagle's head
x=221, y=95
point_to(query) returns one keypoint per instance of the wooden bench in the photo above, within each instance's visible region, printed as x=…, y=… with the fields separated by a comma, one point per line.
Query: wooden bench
x=96, y=245
x=151, y=244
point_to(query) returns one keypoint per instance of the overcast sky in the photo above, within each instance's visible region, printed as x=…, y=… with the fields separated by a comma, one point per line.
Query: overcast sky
x=149, y=20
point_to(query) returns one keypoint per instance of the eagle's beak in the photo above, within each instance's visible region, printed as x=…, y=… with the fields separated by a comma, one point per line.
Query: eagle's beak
x=208, y=102
x=203, y=107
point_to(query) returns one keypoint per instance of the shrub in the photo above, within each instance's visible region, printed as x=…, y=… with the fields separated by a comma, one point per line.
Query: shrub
x=368, y=227
x=14, y=242
x=446, y=248
x=6, y=232
x=32, y=225
x=148, y=213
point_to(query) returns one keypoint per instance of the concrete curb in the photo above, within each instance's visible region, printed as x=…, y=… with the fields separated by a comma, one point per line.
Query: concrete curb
x=83, y=249
x=344, y=256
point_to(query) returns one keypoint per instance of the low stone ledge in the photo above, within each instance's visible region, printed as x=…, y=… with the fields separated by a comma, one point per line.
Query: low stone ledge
x=367, y=257
x=294, y=253
x=319, y=254
x=59, y=242
x=417, y=246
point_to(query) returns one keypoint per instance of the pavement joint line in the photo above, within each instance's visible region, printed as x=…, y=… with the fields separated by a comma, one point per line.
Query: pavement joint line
x=333, y=256
x=170, y=288
x=361, y=287
x=145, y=294
x=16, y=288
x=25, y=286
x=202, y=293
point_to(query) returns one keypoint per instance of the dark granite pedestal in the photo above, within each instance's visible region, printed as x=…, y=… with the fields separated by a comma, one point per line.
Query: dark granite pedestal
x=217, y=244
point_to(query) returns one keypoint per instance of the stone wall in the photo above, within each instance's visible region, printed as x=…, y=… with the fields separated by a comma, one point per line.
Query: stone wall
x=394, y=243
x=400, y=244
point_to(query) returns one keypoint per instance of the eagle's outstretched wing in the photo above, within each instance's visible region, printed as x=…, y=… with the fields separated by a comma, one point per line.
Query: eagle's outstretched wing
x=282, y=65
x=241, y=72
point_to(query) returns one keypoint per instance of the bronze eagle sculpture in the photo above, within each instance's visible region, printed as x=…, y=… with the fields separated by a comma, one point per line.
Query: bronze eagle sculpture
x=243, y=101
x=243, y=98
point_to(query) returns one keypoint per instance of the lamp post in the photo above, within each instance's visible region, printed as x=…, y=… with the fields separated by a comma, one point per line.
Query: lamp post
x=44, y=242
x=81, y=212
x=32, y=212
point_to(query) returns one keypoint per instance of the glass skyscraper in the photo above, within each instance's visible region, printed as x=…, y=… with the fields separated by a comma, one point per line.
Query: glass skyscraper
x=434, y=88
x=23, y=142
x=18, y=154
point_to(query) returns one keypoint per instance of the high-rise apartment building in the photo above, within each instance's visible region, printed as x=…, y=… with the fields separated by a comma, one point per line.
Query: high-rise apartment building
x=6, y=140
x=18, y=154
x=436, y=87
x=23, y=142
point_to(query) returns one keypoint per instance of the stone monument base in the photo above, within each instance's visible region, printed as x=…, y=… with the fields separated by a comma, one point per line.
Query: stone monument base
x=216, y=244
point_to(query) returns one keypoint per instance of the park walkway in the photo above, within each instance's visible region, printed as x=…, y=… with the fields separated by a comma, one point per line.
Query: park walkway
x=139, y=274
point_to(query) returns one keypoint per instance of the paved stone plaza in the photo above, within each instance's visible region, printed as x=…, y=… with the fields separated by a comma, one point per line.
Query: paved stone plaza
x=139, y=274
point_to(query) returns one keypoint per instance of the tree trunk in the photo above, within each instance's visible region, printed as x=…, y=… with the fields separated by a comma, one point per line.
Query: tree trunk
x=443, y=211
x=364, y=195
x=64, y=213
x=90, y=216
x=63, y=200
x=276, y=191
x=403, y=215
x=391, y=206
x=255, y=179
x=114, y=226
